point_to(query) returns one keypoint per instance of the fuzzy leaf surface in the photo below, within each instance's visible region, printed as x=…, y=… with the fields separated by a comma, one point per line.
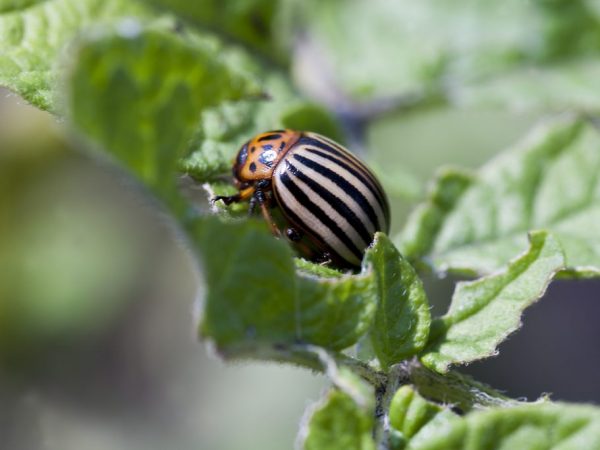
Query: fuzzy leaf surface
x=485, y=311
x=255, y=295
x=402, y=318
x=542, y=426
x=551, y=181
x=140, y=95
x=32, y=35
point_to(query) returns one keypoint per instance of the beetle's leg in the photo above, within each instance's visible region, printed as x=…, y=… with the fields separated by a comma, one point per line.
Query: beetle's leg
x=293, y=234
x=227, y=199
x=261, y=199
x=252, y=205
x=242, y=195
x=324, y=258
x=263, y=202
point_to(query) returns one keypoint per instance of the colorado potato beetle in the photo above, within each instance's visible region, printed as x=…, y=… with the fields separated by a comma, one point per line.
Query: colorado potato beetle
x=312, y=191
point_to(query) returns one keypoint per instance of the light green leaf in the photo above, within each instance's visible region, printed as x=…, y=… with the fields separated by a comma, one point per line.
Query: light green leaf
x=254, y=294
x=485, y=311
x=398, y=182
x=414, y=418
x=426, y=218
x=140, y=92
x=405, y=47
x=415, y=50
x=550, y=181
x=338, y=422
x=568, y=85
x=33, y=33
x=306, y=116
x=542, y=426
x=401, y=324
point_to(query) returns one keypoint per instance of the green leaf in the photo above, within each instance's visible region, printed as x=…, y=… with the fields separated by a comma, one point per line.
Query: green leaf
x=426, y=219
x=306, y=116
x=568, y=85
x=406, y=48
x=335, y=313
x=338, y=422
x=12, y=5
x=485, y=311
x=543, y=426
x=251, y=22
x=33, y=33
x=140, y=92
x=422, y=48
x=398, y=182
x=254, y=294
x=549, y=181
x=401, y=324
x=226, y=127
x=414, y=418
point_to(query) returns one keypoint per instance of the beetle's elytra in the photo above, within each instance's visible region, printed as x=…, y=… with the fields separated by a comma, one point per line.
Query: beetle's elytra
x=313, y=192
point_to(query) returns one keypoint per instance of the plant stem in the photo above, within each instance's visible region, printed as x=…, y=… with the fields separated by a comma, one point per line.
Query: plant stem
x=455, y=389
x=459, y=391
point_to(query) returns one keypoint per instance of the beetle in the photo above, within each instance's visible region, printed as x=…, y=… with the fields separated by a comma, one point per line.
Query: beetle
x=312, y=191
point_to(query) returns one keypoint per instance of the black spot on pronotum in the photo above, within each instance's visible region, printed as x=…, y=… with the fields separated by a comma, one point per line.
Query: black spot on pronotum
x=253, y=149
x=281, y=146
x=269, y=137
x=252, y=167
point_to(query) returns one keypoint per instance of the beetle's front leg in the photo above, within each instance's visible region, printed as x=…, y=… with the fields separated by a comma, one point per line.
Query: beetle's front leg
x=252, y=205
x=227, y=199
x=261, y=198
x=242, y=195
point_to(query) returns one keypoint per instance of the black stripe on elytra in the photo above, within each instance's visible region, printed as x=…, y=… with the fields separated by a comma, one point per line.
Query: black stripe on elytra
x=344, y=184
x=298, y=222
x=335, y=202
x=346, y=155
x=315, y=210
x=363, y=176
x=269, y=137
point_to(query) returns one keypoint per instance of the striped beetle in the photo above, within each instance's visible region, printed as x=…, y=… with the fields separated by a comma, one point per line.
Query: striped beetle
x=328, y=203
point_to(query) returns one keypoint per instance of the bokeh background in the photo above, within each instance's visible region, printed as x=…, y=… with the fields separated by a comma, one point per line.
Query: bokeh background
x=97, y=342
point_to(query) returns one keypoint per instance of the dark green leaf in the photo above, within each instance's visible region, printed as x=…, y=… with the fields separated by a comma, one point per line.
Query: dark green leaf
x=140, y=92
x=402, y=318
x=251, y=22
x=255, y=295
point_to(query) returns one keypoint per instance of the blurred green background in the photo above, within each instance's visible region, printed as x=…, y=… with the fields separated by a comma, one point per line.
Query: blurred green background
x=97, y=291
